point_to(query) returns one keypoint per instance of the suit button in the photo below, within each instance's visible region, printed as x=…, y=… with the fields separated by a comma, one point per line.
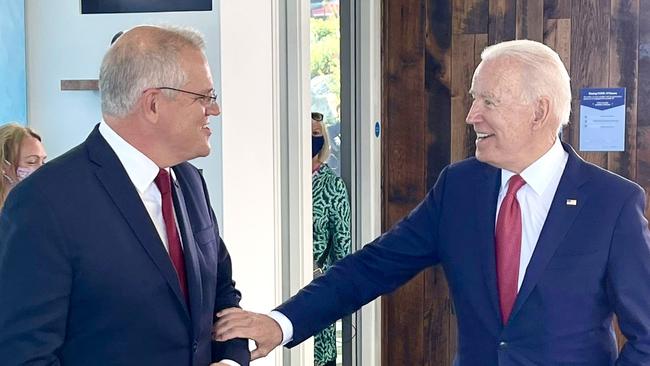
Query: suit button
x=195, y=346
x=503, y=345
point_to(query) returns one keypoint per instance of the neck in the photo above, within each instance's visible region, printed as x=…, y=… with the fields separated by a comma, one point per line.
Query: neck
x=537, y=153
x=137, y=135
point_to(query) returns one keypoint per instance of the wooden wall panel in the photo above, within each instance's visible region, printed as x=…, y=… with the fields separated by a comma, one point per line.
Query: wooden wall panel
x=530, y=20
x=470, y=16
x=404, y=125
x=557, y=9
x=623, y=71
x=643, y=113
x=589, y=60
x=502, y=20
x=461, y=79
x=430, y=49
x=438, y=323
x=557, y=35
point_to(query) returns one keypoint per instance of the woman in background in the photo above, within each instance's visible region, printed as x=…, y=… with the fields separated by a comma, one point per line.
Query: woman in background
x=331, y=214
x=21, y=153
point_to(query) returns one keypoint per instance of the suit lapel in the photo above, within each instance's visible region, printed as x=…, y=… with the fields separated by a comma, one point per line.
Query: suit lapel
x=487, y=193
x=558, y=222
x=192, y=268
x=117, y=184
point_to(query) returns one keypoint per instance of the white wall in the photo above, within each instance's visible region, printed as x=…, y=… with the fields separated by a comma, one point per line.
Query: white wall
x=64, y=44
x=249, y=167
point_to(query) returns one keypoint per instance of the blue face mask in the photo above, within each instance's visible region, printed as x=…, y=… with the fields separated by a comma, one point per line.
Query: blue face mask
x=316, y=144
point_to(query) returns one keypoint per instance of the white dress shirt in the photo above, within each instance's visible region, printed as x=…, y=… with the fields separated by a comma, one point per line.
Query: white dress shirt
x=535, y=197
x=142, y=172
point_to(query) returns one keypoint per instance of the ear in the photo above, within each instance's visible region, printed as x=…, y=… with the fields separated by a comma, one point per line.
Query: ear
x=150, y=105
x=541, y=112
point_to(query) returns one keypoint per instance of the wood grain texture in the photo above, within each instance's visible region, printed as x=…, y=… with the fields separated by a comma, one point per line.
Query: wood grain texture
x=589, y=60
x=502, y=21
x=404, y=144
x=461, y=80
x=437, y=84
x=470, y=16
x=530, y=20
x=90, y=84
x=557, y=35
x=438, y=331
x=644, y=64
x=557, y=9
x=439, y=322
x=643, y=112
x=623, y=71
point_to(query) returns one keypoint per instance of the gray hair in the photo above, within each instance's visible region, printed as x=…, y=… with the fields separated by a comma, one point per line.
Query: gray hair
x=545, y=73
x=134, y=64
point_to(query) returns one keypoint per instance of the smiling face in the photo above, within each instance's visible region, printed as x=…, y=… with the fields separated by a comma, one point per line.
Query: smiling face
x=183, y=126
x=507, y=133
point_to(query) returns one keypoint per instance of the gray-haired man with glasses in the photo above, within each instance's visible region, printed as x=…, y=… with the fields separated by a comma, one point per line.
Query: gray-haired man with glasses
x=111, y=254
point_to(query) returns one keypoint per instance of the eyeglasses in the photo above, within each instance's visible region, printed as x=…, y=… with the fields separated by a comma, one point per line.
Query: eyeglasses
x=316, y=116
x=205, y=100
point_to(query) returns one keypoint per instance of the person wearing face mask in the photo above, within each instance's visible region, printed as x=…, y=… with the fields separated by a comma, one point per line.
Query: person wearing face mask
x=21, y=153
x=331, y=226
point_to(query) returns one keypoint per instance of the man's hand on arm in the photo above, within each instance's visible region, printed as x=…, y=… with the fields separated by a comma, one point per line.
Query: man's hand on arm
x=238, y=323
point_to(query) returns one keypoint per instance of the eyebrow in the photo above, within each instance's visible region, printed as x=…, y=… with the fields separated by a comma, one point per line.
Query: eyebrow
x=488, y=95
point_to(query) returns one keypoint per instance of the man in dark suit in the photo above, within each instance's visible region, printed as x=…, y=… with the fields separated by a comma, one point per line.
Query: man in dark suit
x=540, y=248
x=111, y=254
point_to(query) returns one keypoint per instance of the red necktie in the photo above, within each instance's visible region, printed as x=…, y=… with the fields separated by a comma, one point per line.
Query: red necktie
x=508, y=247
x=163, y=181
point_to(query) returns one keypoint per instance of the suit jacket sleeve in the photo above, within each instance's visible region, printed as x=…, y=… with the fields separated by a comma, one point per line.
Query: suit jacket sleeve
x=35, y=280
x=378, y=268
x=629, y=279
x=226, y=296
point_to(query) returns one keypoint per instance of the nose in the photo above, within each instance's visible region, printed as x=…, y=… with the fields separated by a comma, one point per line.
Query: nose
x=473, y=114
x=213, y=109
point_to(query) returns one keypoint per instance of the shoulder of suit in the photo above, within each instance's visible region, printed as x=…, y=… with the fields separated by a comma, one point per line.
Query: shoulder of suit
x=470, y=166
x=607, y=179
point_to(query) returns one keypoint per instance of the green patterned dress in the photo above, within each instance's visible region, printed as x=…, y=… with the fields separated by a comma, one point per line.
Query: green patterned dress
x=331, y=212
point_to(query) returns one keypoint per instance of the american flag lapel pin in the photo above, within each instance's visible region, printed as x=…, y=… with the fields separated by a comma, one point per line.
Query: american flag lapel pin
x=571, y=202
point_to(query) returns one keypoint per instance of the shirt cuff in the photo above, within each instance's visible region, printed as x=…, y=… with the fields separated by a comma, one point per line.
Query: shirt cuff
x=230, y=362
x=285, y=325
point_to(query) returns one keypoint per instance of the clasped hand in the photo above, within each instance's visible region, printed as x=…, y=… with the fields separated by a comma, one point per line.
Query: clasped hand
x=237, y=323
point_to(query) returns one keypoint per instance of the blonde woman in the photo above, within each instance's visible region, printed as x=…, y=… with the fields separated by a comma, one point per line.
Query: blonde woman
x=21, y=153
x=331, y=215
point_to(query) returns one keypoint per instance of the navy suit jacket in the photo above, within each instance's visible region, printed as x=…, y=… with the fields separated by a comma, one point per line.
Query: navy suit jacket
x=85, y=279
x=592, y=260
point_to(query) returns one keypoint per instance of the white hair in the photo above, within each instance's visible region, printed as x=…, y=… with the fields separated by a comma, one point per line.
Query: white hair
x=545, y=74
x=131, y=67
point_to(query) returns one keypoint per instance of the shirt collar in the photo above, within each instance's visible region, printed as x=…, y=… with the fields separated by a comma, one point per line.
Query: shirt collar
x=140, y=169
x=538, y=173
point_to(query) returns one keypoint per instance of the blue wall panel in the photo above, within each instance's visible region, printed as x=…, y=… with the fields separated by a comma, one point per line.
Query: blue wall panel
x=13, y=85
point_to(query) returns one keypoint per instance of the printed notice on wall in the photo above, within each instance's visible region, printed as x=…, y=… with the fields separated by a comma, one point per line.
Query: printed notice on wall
x=602, y=119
